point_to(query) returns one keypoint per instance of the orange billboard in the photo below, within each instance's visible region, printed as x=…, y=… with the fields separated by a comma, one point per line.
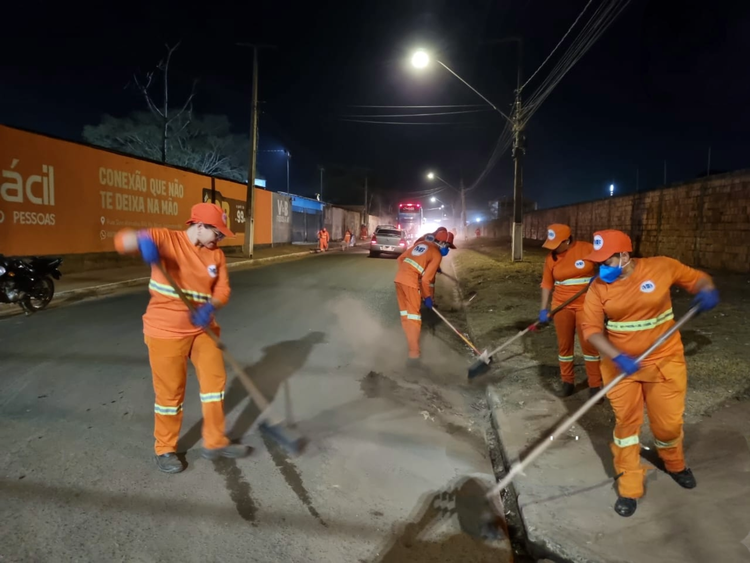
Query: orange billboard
x=59, y=197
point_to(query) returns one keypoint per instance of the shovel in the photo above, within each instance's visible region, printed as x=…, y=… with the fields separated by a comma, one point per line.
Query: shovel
x=294, y=444
x=482, y=364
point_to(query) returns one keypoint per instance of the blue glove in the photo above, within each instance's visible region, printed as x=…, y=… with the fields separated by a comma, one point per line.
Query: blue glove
x=428, y=302
x=202, y=315
x=706, y=300
x=544, y=316
x=147, y=247
x=626, y=364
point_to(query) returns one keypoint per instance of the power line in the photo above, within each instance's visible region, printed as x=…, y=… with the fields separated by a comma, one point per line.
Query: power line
x=408, y=122
x=423, y=107
x=557, y=46
x=420, y=114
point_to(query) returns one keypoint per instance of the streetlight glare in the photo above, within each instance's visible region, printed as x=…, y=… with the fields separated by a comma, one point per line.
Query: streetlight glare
x=431, y=176
x=420, y=59
x=433, y=200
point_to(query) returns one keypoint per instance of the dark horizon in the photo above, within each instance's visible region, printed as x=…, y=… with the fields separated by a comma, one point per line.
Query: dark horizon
x=662, y=83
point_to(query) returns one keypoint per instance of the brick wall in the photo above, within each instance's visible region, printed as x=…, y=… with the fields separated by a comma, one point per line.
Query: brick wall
x=703, y=223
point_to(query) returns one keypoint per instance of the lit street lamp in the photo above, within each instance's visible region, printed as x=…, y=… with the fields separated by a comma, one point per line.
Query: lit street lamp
x=421, y=59
x=433, y=199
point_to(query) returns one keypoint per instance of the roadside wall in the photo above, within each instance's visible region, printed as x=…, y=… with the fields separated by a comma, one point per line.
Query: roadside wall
x=282, y=219
x=703, y=223
x=63, y=198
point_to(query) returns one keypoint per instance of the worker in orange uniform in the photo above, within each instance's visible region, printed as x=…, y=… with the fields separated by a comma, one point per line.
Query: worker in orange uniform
x=173, y=334
x=634, y=296
x=347, y=238
x=323, y=239
x=417, y=268
x=565, y=274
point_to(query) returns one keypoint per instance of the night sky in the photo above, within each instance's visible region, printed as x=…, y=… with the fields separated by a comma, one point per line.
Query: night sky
x=667, y=80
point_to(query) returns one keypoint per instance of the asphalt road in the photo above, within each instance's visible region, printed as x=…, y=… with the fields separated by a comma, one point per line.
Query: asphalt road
x=395, y=471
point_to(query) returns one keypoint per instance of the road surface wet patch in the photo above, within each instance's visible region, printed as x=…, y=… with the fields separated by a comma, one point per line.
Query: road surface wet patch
x=239, y=489
x=291, y=476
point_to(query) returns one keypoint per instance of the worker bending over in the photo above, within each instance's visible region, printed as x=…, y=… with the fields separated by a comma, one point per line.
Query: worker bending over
x=633, y=295
x=417, y=268
x=172, y=335
x=565, y=274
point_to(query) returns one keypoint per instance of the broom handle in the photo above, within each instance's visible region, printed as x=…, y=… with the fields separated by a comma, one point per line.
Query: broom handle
x=256, y=395
x=527, y=329
x=519, y=466
x=454, y=329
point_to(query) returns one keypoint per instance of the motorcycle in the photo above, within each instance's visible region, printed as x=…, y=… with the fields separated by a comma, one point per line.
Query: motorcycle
x=27, y=282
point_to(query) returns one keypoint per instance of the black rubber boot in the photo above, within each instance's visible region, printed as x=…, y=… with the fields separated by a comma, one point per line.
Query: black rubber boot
x=232, y=451
x=684, y=478
x=593, y=391
x=566, y=390
x=626, y=506
x=169, y=463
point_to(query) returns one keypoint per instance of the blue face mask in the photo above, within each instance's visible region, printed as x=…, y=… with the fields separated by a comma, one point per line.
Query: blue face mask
x=609, y=274
x=444, y=250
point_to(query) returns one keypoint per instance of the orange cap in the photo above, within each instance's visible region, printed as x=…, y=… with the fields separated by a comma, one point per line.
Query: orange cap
x=607, y=244
x=556, y=234
x=210, y=214
x=444, y=236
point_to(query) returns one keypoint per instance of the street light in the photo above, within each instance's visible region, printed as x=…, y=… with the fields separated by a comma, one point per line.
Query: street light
x=430, y=175
x=433, y=199
x=611, y=190
x=420, y=59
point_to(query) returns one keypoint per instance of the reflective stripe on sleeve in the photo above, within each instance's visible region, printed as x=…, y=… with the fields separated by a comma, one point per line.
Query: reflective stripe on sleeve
x=414, y=317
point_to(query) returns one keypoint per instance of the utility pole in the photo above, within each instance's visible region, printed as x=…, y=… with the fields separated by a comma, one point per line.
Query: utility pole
x=463, y=208
x=518, y=153
x=288, y=158
x=321, y=182
x=247, y=247
x=366, y=210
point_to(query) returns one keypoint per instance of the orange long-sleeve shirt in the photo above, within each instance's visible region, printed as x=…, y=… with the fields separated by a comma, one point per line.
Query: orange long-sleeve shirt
x=421, y=261
x=200, y=273
x=638, y=309
x=569, y=274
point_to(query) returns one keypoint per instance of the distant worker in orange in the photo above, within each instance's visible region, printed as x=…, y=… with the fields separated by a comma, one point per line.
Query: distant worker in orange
x=417, y=268
x=347, y=238
x=323, y=239
x=565, y=274
x=173, y=335
x=478, y=232
x=633, y=294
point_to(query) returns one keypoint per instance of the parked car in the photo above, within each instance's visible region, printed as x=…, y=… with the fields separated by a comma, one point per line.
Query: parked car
x=387, y=240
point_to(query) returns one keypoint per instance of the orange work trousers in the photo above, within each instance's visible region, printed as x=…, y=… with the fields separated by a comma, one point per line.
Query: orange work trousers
x=168, y=358
x=567, y=325
x=410, y=306
x=664, y=398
